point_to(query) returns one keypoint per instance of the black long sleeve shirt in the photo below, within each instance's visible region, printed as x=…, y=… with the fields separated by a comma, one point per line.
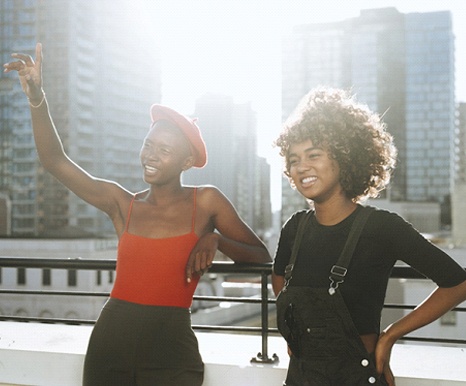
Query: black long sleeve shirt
x=386, y=238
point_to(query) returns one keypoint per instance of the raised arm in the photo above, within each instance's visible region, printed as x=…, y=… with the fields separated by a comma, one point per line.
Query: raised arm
x=100, y=193
x=234, y=238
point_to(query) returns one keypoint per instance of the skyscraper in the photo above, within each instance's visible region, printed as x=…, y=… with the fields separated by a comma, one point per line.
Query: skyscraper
x=402, y=66
x=229, y=130
x=459, y=189
x=99, y=99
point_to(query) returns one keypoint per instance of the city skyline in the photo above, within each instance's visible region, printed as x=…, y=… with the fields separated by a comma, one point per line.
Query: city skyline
x=207, y=47
x=233, y=48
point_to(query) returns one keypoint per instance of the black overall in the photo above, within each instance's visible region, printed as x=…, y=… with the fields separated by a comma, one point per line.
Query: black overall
x=326, y=347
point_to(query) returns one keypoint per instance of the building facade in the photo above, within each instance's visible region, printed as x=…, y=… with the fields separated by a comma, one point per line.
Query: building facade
x=229, y=131
x=400, y=65
x=459, y=188
x=99, y=101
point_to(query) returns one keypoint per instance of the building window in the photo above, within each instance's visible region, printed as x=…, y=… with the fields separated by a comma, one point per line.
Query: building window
x=448, y=319
x=72, y=278
x=110, y=277
x=99, y=277
x=21, y=276
x=46, y=276
x=1, y=274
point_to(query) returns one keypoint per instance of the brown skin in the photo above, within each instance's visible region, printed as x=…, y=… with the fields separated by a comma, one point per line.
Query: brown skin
x=160, y=211
x=316, y=176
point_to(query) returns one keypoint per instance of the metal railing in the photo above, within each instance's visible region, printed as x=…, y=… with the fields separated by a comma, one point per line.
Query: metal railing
x=261, y=270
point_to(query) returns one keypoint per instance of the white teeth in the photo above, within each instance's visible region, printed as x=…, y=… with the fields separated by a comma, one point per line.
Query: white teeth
x=308, y=180
x=150, y=169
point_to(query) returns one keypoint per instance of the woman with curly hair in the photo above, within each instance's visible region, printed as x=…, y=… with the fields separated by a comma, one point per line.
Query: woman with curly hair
x=333, y=261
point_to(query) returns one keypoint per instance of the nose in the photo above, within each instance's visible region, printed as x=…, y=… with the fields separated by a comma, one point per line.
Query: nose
x=150, y=155
x=303, y=167
x=153, y=155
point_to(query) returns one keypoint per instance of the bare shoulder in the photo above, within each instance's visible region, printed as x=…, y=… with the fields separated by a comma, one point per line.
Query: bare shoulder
x=211, y=195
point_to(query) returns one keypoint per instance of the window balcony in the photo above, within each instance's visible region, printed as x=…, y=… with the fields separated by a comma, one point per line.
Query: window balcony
x=50, y=351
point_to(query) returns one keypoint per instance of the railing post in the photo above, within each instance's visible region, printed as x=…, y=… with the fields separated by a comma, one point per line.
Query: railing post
x=263, y=357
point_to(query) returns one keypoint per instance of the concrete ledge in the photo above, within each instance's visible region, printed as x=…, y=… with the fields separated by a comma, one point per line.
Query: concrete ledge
x=53, y=355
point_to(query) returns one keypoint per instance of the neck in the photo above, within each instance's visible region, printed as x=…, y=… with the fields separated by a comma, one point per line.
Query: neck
x=331, y=213
x=163, y=195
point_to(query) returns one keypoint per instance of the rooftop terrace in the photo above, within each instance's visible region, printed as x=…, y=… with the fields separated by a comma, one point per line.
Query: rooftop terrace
x=34, y=351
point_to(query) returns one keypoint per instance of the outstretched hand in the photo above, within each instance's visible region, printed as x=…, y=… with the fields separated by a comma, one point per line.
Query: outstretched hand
x=30, y=73
x=202, y=255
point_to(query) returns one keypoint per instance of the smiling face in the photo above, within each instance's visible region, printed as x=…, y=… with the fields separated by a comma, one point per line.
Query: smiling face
x=314, y=173
x=165, y=153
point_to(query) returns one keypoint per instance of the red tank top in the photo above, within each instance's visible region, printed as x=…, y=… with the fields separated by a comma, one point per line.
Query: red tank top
x=152, y=271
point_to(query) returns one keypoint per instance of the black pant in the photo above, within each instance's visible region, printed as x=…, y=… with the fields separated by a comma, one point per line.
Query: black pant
x=137, y=345
x=327, y=349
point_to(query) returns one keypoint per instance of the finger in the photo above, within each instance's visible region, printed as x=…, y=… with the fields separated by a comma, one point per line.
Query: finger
x=388, y=375
x=14, y=66
x=206, y=261
x=39, y=56
x=198, y=263
x=26, y=59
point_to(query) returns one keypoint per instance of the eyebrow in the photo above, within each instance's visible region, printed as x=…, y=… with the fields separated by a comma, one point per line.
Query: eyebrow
x=307, y=150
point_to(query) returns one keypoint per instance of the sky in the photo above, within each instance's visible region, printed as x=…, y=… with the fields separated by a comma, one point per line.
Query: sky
x=233, y=47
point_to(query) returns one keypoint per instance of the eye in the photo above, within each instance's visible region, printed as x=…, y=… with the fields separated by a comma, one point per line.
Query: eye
x=313, y=155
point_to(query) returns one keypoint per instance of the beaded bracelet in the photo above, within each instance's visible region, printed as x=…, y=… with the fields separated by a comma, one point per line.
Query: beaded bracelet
x=40, y=104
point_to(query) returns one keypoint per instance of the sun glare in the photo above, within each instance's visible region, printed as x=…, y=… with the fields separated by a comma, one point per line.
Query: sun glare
x=233, y=48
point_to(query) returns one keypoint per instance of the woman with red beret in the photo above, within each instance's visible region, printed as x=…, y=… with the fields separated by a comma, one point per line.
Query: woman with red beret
x=167, y=239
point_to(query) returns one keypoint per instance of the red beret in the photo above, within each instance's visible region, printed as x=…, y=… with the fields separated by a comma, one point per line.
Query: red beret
x=189, y=129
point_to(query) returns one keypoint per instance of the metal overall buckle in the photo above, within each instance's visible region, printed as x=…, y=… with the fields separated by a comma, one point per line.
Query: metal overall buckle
x=336, y=278
x=288, y=270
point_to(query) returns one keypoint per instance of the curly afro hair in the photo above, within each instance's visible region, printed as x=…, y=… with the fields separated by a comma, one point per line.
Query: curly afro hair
x=353, y=135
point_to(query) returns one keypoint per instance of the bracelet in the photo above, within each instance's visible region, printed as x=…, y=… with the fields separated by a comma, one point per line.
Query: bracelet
x=40, y=104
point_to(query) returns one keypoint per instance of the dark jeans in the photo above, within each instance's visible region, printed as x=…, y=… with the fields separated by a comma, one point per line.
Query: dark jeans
x=327, y=349
x=133, y=344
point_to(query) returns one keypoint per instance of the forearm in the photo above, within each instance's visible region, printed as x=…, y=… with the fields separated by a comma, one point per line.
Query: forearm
x=48, y=143
x=241, y=252
x=437, y=304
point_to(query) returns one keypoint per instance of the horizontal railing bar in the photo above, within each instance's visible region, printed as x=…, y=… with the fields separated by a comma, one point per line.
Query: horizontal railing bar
x=232, y=299
x=239, y=299
x=412, y=307
x=195, y=298
x=53, y=293
x=105, y=264
x=46, y=320
x=226, y=328
x=59, y=263
x=433, y=340
x=398, y=272
x=224, y=267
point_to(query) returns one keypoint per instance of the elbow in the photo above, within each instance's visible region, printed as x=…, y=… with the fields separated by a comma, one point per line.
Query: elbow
x=267, y=257
x=263, y=255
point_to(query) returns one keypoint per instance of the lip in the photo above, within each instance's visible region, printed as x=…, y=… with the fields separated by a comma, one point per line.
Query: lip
x=308, y=181
x=150, y=170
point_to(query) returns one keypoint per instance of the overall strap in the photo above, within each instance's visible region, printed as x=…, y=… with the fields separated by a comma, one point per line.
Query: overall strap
x=297, y=241
x=339, y=270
